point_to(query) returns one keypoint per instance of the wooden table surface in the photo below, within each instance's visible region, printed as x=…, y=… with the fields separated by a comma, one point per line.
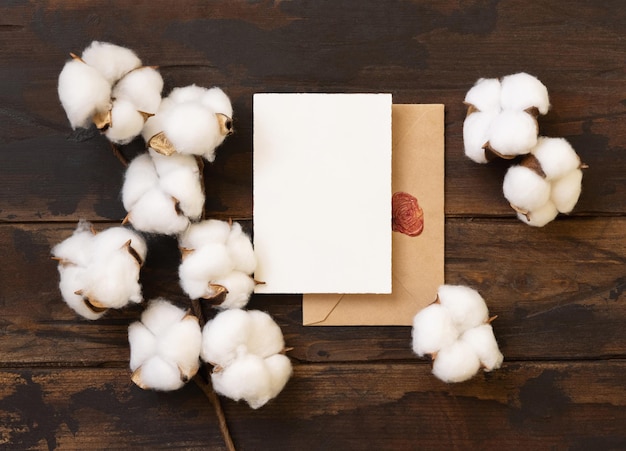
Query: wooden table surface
x=558, y=291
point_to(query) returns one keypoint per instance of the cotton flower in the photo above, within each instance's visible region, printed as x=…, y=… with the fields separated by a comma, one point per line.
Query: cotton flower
x=546, y=182
x=164, y=347
x=108, y=86
x=455, y=331
x=245, y=348
x=99, y=271
x=501, y=117
x=163, y=194
x=190, y=121
x=217, y=258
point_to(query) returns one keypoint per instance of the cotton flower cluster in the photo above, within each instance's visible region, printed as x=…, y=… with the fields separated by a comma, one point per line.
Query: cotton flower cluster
x=99, y=271
x=164, y=347
x=217, y=258
x=501, y=121
x=456, y=332
x=545, y=183
x=246, y=348
x=107, y=85
x=192, y=121
x=501, y=117
x=163, y=194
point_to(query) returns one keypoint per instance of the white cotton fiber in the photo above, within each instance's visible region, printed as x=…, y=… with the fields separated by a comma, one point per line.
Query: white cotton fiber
x=556, y=157
x=466, y=306
x=246, y=347
x=264, y=336
x=112, y=61
x=165, y=347
x=208, y=231
x=140, y=177
x=71, y=281
x=239, y=285
x=541, y=216
x=192, y=128
x=158, y=374
x=114, y=239
x=566, y=191
x=160, y=315
x=224, y=335
x=77, y=248
x=217, y=101
x=525, y=189
x=240, y=249
x=433, y=329
x=83, y=92
x=191, y=93
x=456, y=363
x=485, y=95
x=483, y=342
x=217, y=253
x=112, y=280
x=522, y=91
x=184, y=185
x=476, y=129
x=126, y=122
x=142, y=87
x=513, y=133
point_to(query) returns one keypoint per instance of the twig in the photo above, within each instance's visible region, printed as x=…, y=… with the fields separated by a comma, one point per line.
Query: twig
x=207, y=388
x=119, y=155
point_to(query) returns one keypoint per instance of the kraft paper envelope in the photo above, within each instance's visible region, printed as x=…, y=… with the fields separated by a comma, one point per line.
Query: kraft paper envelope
x=322, y=192
x=417, y=262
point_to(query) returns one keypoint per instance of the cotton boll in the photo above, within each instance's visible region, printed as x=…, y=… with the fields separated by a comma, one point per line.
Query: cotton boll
x=264, y=336
x=143, y=344
x=241, y=250
x=192, y=128
x=566, y=191
x=205, y=232
x=485, y=95
x=184, y=185
x=224, y=336
x=140, y=177
x=217, y=101
x=476, y=134
x=456, y=363
x=247, y=378
x=71, y=281
x=433, y=329
x=556, y=157
x=181, y=344
x=522, y=91
x=141, y=87
x=126, y=122
x=77, y=248
x=466, y=306
x=83, y=92
x=158, y=374
x=482, y=340
x=513, y=133
x=112, y=61
x=540, y=216
x=161, y=315
x=525, y=189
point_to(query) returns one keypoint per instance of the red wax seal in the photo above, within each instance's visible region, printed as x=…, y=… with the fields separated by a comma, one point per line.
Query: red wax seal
x=406, y=215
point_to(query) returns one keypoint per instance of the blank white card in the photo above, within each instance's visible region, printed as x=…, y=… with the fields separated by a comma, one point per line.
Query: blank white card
x=322, y=193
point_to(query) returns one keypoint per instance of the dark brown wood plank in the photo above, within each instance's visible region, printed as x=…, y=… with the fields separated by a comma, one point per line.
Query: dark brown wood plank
x=421, y=52
x=551, y=289
x=551, y=405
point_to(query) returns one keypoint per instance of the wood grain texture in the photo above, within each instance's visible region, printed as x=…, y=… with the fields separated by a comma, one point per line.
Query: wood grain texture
x=558, y=291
